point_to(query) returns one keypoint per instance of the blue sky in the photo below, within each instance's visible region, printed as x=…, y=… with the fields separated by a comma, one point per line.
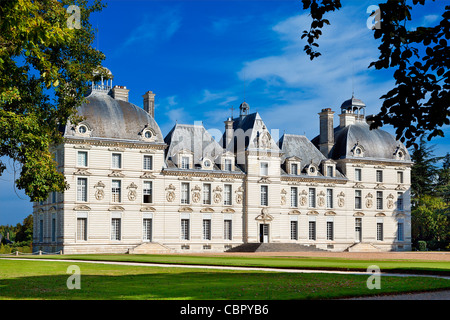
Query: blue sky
x=201, y=58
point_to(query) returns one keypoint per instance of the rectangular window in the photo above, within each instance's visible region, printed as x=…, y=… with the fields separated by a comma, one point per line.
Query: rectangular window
x=358, y=175
x=358, y=199
x=115, y=229
x=312, y=197
x=330, y=198
x=82, y=189
x=184, y=229
x=41, y=230
x=53, y=229
x=399, y=177
x=329, y=171
x=379, y=200
x=264, y=168
x=117, y=161
x=400, y=232
x=380, y=231
x=184, y=193
x=227, y=195
x=207, y=193
x=53, y=196
x=379, y=176
x=312, y=230
x=294, y=168
x=294, y=197
x=116, y=191
x=148, y=163
x=330, y=230
x=294, y=230
x=82, y=159
x=206, y=229
x=228, y=164
x=147, y=229
x=227, y=231
x=400, y=201
x=82, y=229
x=147, y=192
x=264, y=196
x=184, y=162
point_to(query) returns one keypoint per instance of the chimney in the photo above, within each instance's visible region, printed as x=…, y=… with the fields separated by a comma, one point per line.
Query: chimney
x=120, y=93
x=149, y=103
x=326, y=138
x=229, y=132
x=347, y=118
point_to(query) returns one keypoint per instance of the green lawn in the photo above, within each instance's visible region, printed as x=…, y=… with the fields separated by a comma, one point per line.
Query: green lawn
x=26, y=279
x=399, y=266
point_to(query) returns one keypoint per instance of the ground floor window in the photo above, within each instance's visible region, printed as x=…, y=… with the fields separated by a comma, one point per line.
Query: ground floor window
x=206, y=229
x=294, y=230
x=400, y=232
x=82, y=229
x=227, y=233
x=184, y=229
x=330, y=230
x=312, y=230
x=380, y=231
x=147, y=229
x=115, y=229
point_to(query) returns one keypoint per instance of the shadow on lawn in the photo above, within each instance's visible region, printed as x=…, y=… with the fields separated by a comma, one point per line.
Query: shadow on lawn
x=204, y=286
x=186, y=285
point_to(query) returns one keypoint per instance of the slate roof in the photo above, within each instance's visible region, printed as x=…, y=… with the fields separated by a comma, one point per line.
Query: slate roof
x=193, y=138
x=114, y=119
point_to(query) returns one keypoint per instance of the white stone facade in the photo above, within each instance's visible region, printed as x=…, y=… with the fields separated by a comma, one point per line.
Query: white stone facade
x=125, y=192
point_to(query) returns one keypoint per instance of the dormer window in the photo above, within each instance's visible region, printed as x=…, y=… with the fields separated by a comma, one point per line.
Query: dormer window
x=207, y=164
x=82, y=129
x=294, y=168
x=228, y=165
x=358, y=150
x=311, y=170
x=184, y=162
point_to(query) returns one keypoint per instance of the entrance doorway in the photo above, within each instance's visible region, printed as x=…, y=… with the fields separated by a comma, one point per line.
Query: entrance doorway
x=264, y=233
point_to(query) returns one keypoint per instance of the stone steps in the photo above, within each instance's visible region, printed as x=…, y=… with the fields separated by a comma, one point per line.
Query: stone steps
x=363, y=247
x=150, y=248
x=274, y=247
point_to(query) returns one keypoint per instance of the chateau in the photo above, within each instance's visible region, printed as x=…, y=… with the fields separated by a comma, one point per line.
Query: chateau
x=131, y=188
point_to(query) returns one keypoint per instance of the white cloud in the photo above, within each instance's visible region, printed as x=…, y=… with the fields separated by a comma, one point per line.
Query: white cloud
x=347, y=48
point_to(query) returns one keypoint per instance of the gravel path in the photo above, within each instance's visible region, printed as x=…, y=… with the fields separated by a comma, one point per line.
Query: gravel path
x=435, y=295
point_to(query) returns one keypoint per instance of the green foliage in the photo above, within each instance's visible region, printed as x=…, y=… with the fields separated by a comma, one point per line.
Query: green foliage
x=45, y=67
x=418, y=105
x=422, y=245
x=431, y=222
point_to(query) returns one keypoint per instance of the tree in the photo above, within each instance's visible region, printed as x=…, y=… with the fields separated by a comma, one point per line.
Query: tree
x=423, y=171
x=443, y=180
x=431, y=221
x=25, y=230
x=419, y=103
x=46, y=62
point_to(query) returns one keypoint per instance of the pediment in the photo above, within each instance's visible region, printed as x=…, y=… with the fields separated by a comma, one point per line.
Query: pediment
x=295, y=211
x=148, y=209
x=358, y=214
x=228, y=210
x=82, y=207
x=207, y=210
x=185, y=210
x=116, y=208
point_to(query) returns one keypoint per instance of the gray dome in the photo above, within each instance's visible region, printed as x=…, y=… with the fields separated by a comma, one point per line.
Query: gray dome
x=373, y=144
x=110, y=118
x=353, y=102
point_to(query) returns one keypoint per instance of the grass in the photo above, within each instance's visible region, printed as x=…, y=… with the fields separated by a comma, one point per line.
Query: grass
x=26, y=279
x=399, y=266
